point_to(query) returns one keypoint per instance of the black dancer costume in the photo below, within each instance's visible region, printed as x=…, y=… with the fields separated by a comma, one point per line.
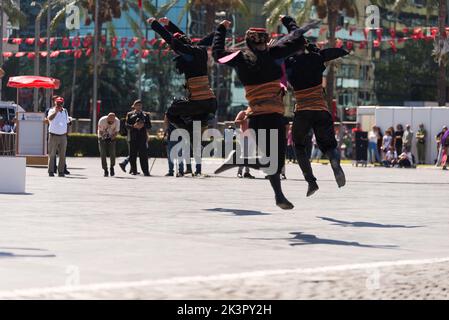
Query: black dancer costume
x=191, y=60
x=261, y=72
x=305, y=74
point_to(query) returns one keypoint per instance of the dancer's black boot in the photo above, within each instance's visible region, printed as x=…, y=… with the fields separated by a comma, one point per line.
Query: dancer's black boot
x=306, y=168
x=281, y=200
x=334, y=158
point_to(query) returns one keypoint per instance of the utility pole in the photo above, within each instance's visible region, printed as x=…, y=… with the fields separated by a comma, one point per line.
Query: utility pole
x=95, y=86
x=140, y=54
x=36, y=61
x=47, y=92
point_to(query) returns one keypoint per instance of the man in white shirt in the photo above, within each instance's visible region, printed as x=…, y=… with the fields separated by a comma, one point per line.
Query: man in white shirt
x=108, y=129
x=59, y=120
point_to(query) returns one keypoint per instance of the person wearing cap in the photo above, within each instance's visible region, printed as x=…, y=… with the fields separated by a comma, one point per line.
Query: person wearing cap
x=259, y=68
x=305, y=74
x=108, y=129
x=421, y=136
x=192, y=61
x=138, y=123
x=59, y=120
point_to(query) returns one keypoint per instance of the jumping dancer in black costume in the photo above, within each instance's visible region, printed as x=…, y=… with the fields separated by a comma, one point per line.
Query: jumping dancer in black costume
x=305, y=74
x=259, y=69
x=191, y=60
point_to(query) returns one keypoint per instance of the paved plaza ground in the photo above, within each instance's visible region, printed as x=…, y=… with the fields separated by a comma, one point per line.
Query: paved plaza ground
x=85, y=236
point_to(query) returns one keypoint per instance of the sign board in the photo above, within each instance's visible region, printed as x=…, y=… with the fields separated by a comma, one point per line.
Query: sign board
x=31, y=134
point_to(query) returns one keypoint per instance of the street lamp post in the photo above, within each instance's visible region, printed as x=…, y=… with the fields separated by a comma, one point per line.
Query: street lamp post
x=140, y=56
x=47, y=92
x=37, y=32
x=95, y=85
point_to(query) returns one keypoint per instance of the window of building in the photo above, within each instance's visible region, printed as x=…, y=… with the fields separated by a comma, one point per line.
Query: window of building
x=347, y=71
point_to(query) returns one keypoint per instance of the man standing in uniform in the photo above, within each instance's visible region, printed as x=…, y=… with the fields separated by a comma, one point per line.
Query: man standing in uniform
x=138, y=122
x=59, y=120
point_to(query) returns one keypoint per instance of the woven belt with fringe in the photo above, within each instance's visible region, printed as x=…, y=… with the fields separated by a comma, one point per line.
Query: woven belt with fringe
x=311, y=99
x=265, y=98
x=199, y=88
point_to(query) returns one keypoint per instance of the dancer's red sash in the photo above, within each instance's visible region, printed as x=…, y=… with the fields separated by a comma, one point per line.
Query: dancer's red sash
x=265, y=98
x=311, y=99
x=199, y=88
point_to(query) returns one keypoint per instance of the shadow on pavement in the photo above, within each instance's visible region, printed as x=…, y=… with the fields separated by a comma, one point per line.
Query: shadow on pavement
x=17, y=194
x=4, y=254
x=360, y=224
x=239, y=212
x=301, y=239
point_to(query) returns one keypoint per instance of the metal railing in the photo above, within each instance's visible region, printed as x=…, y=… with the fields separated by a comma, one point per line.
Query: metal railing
x=7, y=144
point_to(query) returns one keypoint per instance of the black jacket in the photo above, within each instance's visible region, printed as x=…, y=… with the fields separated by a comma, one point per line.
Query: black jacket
x=191, y=59
x=132, y=118
x=305, y=70
x=259, y=67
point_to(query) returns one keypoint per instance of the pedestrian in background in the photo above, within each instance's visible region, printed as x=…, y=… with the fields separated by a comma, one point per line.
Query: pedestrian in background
x=373, y=154
x=438, y=138
x=397, y=137
x=421, y=137
x=169, y=128
x=407, y=139
x=59, y=120
x=242, y=122
x=387, y=142
x=445, y=149
x=125, y=133
x=138, y=123
x=108, y=129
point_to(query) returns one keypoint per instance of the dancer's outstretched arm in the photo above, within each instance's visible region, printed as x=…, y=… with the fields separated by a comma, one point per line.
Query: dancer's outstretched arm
x=208, y=40
x=170, y=26
x=157, y=27
x=174, y=43
x=327, y=54
x=218, y=48
x=294, y=41
x=173, y=28
x=333, y=53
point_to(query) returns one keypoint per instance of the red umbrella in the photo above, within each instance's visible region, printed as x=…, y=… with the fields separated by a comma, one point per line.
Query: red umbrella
x=33, y=82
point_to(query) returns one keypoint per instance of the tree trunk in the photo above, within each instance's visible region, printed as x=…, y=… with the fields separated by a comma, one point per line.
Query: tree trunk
x=442, y=70
x=332, y=18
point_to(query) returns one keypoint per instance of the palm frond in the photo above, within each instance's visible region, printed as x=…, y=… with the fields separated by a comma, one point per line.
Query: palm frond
x=303, y=15
x=12, y=11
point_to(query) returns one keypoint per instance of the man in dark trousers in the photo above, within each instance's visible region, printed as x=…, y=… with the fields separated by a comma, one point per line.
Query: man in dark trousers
x=138, y=123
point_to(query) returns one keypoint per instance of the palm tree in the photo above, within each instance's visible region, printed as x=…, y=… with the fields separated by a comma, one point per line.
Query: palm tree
x=432, y=6
x=330, y=9
x=212, y=7
x=107, y=11
x=12, y=11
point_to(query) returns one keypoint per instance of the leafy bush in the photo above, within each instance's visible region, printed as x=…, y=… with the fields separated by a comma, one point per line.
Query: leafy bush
x=86, y=145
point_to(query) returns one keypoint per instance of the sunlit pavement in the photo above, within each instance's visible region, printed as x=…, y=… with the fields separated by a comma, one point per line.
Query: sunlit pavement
x=385, y=235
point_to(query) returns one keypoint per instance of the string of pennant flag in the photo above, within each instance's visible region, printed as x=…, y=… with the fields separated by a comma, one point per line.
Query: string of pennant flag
x=79, y=45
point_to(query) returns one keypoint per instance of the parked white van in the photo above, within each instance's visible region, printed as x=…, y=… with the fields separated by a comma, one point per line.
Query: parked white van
x=8, y=110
